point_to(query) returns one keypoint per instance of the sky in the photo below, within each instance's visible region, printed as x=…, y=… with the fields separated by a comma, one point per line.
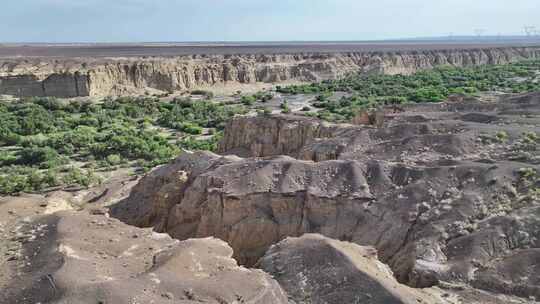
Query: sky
x=258, y=20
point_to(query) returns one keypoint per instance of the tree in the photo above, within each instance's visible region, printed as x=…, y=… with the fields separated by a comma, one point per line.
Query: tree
x=45, y=157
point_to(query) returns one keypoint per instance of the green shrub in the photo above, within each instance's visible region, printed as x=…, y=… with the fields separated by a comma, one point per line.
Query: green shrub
x=428, y=94
x=77, y=177
x=23, y=179
x=203, y=114
x=285, y=107
x=264, y=111
x=114, y=159
x=501, y=136
x=7, y=158
x=530, y=138
x=263, y=96
x=8, y=138
x=13, y=183
x=38, y=140
x=193, y=144
x=51, y=178
x=373, y=90
x=191, y=128
x=248, y=100
x=527, y=173
x=45, y=157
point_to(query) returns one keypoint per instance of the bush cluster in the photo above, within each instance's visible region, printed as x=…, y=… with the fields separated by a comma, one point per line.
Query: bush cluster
x=370, y=91
x=40, y=137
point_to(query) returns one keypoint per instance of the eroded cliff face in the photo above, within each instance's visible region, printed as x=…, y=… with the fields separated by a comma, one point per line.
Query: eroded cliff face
x=116, y=76
x=432, y=189
x=281, y=135
x=57, y=84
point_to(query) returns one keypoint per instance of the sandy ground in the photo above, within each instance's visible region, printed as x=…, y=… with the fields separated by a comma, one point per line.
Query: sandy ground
x=17, y=211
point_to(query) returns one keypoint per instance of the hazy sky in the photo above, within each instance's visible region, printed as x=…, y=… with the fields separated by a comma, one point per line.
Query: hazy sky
x=257, y=20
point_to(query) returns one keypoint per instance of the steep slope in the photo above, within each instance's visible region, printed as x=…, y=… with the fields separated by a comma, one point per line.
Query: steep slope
x=115, y=76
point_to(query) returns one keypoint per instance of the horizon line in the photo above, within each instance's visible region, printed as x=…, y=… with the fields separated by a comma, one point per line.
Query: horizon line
x=449, y=38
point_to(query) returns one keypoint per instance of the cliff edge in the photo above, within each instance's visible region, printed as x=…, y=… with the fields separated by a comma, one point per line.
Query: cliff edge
x=73, y=77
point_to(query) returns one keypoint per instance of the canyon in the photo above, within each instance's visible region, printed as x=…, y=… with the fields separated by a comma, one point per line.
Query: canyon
x=108, y=76
x=433, y=203
x=429, y=205
x=434, y=191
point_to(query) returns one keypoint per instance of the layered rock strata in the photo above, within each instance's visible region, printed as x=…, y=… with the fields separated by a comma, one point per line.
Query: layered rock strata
x=116, y=76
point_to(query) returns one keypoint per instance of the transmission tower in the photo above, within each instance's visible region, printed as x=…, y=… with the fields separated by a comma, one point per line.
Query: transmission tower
x=529, y=30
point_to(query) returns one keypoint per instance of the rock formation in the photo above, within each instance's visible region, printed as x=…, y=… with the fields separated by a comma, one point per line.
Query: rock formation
x=442, y=196
x=80, y=258
x=115, y=76
x=315, y=269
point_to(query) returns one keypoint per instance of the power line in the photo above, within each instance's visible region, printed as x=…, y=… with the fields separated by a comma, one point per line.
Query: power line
x=479, y=32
